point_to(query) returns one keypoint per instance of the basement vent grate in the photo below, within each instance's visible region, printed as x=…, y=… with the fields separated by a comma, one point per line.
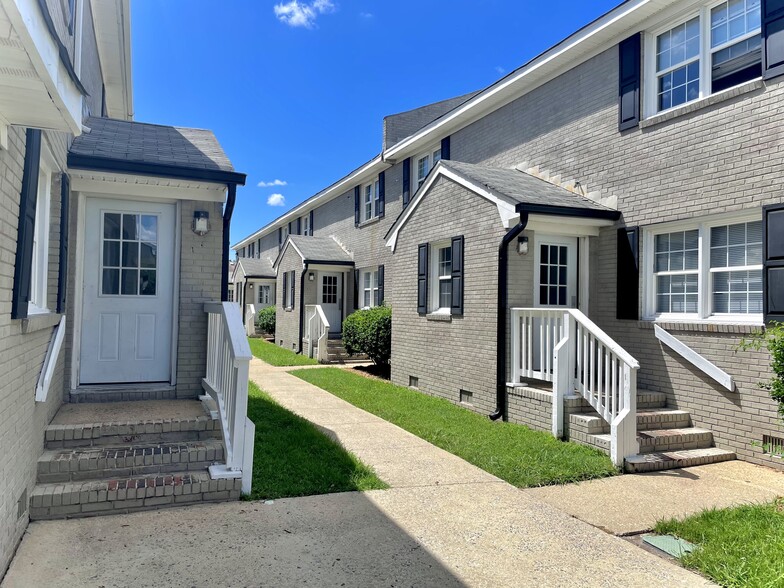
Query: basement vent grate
x=466, y=397
x=773, y=446
x=21, y=505
x=413, y=382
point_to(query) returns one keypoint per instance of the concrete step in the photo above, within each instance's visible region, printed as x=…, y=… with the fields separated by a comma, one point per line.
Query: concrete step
x=89, y=463
x=128, y=494
x=659, y=440
x=667, y=460
x=647, y=419
x=191, y=428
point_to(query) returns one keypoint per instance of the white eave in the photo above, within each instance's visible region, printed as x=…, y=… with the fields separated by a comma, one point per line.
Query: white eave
x=113, y=35
x=603, y=33
x=36, y=89
x=358, y=176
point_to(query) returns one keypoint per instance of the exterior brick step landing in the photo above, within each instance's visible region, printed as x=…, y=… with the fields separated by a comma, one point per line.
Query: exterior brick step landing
x=647, y=419
x=132, y=432
x=648, y=399
x=661, y=440
x=667, y=460
x=337, y=353
x=82, y=463
x=128, y=494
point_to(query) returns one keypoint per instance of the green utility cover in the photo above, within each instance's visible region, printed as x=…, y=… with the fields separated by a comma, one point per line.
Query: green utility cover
x=669, y=544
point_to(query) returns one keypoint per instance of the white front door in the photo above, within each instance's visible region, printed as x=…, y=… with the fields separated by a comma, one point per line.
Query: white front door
x=331, y=299
x=556, y=272
x=128, y=297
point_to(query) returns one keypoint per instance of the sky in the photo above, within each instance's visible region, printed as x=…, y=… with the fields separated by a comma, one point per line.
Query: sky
x=296, y=91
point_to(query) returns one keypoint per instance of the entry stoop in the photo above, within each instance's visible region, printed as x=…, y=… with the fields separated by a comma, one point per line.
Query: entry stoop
x=337, y=353
x=121, y=457
x=667, y=438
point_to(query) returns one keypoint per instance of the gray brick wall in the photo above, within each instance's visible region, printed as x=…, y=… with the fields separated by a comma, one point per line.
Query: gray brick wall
x=23, y=346
x=287, y=321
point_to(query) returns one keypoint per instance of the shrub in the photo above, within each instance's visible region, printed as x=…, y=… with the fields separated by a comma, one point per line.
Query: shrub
x=772, y=339
x=266, y=320
x=369, y=332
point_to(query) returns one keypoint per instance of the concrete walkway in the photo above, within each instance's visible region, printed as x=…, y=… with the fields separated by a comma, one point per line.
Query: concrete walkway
x=443, y=523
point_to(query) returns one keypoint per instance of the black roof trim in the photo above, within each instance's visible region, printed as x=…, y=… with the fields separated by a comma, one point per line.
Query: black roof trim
x=328, y=262
x=88, y=162
x=568, y=211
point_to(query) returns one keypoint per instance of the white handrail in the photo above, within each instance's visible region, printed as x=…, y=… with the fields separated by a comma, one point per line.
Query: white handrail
x=317, y=331
x=250, y=319
x=226, y=381
x=565, y=347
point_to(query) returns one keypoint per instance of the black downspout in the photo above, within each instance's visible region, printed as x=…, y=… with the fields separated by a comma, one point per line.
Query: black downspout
x=302, y=305
x=503, y=300
x=227, y=212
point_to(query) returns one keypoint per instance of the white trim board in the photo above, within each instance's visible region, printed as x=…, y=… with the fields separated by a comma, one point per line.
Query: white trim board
x=695, y=358
x=50, y=361
x=135, y=186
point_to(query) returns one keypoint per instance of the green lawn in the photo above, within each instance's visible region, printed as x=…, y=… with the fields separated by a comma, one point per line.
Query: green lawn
x=293, y=458
x=514, y=453
x=742, y=546
x=277, y=355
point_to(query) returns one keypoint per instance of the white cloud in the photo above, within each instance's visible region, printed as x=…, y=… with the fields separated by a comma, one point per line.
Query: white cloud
x=302, y=14
x=272, y=183
x=276, y=200
x=367, y=15
x=500, y=70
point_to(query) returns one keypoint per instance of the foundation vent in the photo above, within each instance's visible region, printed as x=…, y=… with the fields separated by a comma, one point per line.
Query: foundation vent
x=466, y=397
x=413, y=382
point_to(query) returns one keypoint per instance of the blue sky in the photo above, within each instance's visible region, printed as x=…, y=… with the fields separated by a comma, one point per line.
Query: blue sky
x=296, y=91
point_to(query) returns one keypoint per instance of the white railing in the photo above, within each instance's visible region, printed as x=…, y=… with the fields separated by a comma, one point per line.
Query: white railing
x=250, y=319
x=565, y=347
x=228, y=361
x=316, y=333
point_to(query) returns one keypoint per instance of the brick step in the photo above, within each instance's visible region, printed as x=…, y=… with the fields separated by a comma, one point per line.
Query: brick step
x=89, y=463
x=647, y=419
x=660, y=440
x=133, y=432
x=128, y=494
x=648, y=399
x=667, y=460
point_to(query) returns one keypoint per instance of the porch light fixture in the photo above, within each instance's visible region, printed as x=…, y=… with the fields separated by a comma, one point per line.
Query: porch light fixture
x=311, y=277
x=250, y=285
x=522, y=245
x=201, y=222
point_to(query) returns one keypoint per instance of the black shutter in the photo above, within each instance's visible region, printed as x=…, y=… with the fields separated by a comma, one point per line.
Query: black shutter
x=65, y=199
x=299, y=226
x=356, y=205
x=292, y=281
x=280, y=237
x=382, y=182
x=773, y=272
x=406, y=181
x=424, y=254
x=285, y=290
x=458, y=248
x=356, y=289
x=380, y=285
x=772, y=38
x=446, y=148
x=629, y=82
x=311, y=224
x=24, y=241
x=627, y=279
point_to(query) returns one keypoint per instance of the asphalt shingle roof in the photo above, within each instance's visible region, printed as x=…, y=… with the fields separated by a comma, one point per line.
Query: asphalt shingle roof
x=256, y=268
x=522, y=188
x=320, y=249
x=131, y=141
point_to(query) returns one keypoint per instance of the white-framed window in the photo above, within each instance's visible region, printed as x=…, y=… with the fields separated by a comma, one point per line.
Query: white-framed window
x=39, y=276
x=441, y=277
x=369, y=288
x=713, y=48
x=423, y=163
x=266, y=295
x=306, y=225
x=231, y=295
x=710, y=269
x=370, y=200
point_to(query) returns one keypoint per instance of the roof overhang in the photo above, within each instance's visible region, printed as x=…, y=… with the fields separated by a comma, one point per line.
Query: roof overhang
x=579, y=47
x=113, y=35
x=359, y=175
x=38, y=87
x=145, y=186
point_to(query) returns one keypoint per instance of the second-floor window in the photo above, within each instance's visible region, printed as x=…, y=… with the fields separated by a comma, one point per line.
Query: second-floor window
x=370, y=288
x=715, y=48
x=306, y=225
x=370, y=197
x=423, y=163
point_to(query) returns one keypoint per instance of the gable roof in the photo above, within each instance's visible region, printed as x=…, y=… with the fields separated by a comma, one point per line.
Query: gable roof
x=148, y=149
x=512, y=191
x=256, y=268
x=399, y=126
x=324, y=250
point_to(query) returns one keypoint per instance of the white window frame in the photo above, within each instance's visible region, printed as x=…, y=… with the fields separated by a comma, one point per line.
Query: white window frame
x=650, y=73
x=370, y=194
x=705, y=313
x=432, y=157
x=306, y=225
x=265, y=294
x=435, y=279
x=39, y=276
x=371, y=289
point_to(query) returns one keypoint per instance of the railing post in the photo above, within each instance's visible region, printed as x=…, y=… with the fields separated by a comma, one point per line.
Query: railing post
x=515, y=350
x=561, y=377
x=623, y=430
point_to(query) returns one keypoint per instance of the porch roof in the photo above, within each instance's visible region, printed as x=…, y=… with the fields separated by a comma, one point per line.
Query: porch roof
x=148, y=149
x=316, y=250
x=256, y=268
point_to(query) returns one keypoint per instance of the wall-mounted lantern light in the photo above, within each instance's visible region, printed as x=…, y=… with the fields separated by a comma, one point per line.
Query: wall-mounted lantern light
x=311, y=277
x=201, y=222
x=522, y=245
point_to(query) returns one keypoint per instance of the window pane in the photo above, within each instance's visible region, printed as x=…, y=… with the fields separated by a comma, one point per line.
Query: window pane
x=111, y=226
x=445, y=261
x=367, y=279
x=111, y=282
x=149, y=228
x=678, y=44
x=148, y=255
x=367, y=298
x=130, y=227
x=445, y=293
x=147, y=282
x=736, y=245
x=737, y=292
x=130, y=282
x=130, y=254
x=111, y=253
